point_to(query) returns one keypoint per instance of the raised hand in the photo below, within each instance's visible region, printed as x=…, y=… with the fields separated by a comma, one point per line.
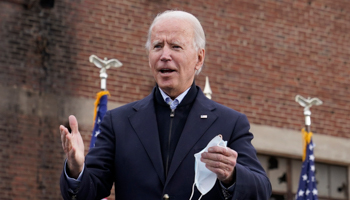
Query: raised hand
x=73, y=146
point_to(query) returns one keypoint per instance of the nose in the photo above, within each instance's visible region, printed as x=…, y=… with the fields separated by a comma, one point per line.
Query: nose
x=166, y=54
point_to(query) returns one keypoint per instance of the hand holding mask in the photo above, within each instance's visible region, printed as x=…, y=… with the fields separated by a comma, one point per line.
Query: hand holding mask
x=204, y=178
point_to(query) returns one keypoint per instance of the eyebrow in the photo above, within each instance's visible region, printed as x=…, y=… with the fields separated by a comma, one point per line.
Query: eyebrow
x=177, y=43
x=157, y=42
x=171, y=42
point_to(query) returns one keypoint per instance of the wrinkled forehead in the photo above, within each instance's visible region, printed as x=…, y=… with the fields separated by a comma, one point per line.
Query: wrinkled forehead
x=172, y=27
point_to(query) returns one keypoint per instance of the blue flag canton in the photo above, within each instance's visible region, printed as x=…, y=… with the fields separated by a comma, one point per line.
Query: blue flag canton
x=307, y=189
x=101, y=111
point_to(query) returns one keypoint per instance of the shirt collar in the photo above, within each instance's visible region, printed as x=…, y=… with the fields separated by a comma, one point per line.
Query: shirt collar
x=179, y=98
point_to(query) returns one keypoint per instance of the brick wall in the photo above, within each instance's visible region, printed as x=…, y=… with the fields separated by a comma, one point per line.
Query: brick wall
x=259, y=55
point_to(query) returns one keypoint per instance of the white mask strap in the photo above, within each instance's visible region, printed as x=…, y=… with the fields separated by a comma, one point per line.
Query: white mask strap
x=200, y=197
x=192, y=191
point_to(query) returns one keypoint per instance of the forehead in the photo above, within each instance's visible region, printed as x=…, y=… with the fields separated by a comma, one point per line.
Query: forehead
x=171, y=27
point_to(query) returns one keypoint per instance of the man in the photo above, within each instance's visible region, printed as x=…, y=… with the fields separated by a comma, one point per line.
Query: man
x=147, y=147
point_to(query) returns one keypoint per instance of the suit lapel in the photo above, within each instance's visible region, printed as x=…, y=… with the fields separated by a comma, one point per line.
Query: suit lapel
x=145, y=125
x=195, y=127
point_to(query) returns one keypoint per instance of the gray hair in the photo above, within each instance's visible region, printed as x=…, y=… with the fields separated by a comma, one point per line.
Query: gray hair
x=199, y=36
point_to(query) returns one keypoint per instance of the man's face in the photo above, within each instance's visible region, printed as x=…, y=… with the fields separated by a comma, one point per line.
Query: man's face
x=172, y=56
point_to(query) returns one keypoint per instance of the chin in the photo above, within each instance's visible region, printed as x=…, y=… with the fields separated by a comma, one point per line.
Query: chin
x=166, y=86
x=166, y=82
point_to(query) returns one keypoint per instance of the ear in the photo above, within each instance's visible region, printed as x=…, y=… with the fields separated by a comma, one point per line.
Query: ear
x=200, y=61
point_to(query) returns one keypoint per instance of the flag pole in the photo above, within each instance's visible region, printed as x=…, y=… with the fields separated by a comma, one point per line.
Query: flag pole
x=104, y=65
x=307, y=104
x=307, y=189
x=101, y=97
x=307, y=114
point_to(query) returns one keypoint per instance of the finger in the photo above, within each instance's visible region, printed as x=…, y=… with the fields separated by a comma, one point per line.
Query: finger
x=215, y=158
x=216, y=164
x=222, y=150
x=68, y=143
x=226, y=152
x=223, y=172
x=223, y=165
x=63, y=132
x=73, y=123
x=218, y=160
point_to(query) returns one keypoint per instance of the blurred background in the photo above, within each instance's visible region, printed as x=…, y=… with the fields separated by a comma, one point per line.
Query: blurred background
x=259, y=55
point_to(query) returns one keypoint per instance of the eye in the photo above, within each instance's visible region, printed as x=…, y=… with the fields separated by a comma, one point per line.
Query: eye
x=177, y=47
x=157, y=46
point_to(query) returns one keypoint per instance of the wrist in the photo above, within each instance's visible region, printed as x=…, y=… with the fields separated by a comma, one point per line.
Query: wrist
x=230, y=180
x=73, y=171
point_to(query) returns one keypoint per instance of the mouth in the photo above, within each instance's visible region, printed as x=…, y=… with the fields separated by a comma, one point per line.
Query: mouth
x=166, y=71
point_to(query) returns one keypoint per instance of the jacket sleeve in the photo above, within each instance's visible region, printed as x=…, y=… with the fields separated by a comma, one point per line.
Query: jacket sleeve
x=97, y=178
x=251, y=179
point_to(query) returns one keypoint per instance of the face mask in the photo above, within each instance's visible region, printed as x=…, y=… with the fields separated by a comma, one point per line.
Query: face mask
x=204, y=178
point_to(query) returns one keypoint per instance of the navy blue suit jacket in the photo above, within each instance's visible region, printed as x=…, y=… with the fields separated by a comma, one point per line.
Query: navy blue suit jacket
x=127, y=152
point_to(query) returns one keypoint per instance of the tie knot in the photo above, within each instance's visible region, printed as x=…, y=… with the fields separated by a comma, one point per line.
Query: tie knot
x=171, y=103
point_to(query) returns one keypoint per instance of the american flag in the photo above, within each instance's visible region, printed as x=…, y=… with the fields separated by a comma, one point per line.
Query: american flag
x=99, y=113
x=307, y=189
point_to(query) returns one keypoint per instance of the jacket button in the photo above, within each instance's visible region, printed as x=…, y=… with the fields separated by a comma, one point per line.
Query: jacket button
x=166, y=197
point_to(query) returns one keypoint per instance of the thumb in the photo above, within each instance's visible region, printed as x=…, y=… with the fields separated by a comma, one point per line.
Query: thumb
x=73, y=123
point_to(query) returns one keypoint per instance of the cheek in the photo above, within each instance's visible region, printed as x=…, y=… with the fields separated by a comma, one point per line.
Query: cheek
x=151, y=60
x=192, y=65
x=192, y=59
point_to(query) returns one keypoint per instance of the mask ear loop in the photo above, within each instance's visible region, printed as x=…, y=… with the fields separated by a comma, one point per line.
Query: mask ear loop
x=200, y=197
x=192, y=190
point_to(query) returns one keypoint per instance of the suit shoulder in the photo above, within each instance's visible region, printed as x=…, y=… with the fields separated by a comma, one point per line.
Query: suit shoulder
x=133, y=106
x=224, y=109
x=123, y=108
x=217, y=107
